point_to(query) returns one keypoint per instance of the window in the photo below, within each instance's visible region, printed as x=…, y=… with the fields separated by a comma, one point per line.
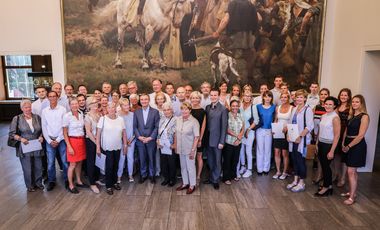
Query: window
x=16, y=69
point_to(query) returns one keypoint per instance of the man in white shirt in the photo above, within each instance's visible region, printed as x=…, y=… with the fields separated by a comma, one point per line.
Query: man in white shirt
x=181, y=98
x=313, y=97
x=205, y=90
x=157, y=88
x=52, y=130
x=41, y=102
x=259, y=99
x=276, y=91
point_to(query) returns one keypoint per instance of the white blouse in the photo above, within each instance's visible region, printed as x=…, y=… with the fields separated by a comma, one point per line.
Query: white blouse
x=111, y=133
x=88, y=119
x=75, y=127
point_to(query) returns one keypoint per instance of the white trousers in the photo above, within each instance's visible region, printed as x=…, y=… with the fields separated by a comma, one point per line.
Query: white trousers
x=263, y=150
x=130, y=160
x=246, y=152
x=188, y=170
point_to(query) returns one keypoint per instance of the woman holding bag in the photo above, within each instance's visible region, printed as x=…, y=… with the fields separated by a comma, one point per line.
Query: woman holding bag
x=24, y=128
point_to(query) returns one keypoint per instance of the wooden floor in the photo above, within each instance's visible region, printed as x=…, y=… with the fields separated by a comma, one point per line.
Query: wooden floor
x=257, y=203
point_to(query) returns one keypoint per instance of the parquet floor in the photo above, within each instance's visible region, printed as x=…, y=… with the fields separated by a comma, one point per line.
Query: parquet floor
x=256, y=203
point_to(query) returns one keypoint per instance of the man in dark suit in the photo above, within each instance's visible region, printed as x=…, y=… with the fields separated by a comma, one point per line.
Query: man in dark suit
x=145, y=127
x=217, y=116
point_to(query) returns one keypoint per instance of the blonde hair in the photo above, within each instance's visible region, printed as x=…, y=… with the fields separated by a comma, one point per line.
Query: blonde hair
x=159, y=94
x=363, y=106
x=301, y=92
x=186, y=105
x=123, y=101
x=196, y=94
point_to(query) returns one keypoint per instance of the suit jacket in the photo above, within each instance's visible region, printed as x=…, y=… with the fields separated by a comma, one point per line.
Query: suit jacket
x=217, y=121
x=150, y=129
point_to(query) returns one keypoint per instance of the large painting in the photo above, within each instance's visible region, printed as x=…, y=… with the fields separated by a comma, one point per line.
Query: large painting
x=191, y=41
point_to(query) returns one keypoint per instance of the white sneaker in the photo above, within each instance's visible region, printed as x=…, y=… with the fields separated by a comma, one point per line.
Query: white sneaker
x=299, y=188
x=243, y=169
x=283, y=176
x=247, y=173
x=290, y=186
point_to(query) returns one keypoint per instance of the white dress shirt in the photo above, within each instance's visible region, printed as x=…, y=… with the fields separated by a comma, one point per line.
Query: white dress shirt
x=145, y=114
x=312, y=100
x=75, y=127
x=205, y=101
x=39, y=105
x=52, y=123
x=276, y=96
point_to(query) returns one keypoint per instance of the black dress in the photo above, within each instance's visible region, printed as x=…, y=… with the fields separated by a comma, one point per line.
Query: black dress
x=356, y=155
x=343, y=124
x=199, y=114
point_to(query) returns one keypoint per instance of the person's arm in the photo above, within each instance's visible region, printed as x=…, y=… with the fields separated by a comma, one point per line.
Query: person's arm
x=240, y=135
x=222, y=26
x=70, y=149
x=13, y=128
x=89, y=133
x=156, y=122
x=195, y=128
x=362, y=130
x=223, y=128
x=203, y=128
x=125, y=142
x=309, y=123
x=44, y=127
x=336, y=130
x=136, y=129
x=98, y=133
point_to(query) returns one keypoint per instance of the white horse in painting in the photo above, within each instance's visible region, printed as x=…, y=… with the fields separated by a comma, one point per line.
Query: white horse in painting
x=157, y=17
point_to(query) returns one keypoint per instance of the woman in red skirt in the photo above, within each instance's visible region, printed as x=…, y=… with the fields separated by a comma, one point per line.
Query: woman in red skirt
x=73, y=131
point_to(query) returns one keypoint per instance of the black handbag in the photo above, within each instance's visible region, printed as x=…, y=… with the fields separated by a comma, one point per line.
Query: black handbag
x=11, y=141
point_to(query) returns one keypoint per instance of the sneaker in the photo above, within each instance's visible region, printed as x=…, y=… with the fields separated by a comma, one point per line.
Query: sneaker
x=299, y=188
x=247, y=173
x=290, y=186
x=283, y=176
x=242, y=170
x=131, y=180
x=276, y=176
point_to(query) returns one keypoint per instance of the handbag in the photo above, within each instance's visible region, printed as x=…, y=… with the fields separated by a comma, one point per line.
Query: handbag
x=11, y=141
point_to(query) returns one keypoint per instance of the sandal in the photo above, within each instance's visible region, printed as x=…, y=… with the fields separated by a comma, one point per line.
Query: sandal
x=349, y=201
x=236, y=179
x=227, y=182
x=347, y=194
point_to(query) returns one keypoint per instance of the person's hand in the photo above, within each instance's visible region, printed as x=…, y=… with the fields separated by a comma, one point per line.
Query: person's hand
x=54, y=144
x=191, y=156
x=345, y=149
x=172, y=146
x=285, y=129
x=237, y=142
x=158, y=143
x=246, y=133
x=70, y=150
x=24, y=141
x=330, y=155
x=199, y=143
x=298, y=140
x=41, y=139
x=215, y=34
x=98, y=152
x=220, y=146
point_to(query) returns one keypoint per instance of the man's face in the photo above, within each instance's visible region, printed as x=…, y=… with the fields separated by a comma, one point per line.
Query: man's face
x=81, y=102
x=214, y=96
x=188, y=90
x=82, y=90
x=263, y=89
x=53, y=99
x=57, y=88
x=144, y=100
x=123, y=89
x=314, y=89
x=132, y=89
x=157, y=86
x=181, y=92
x=41, y=93
x=106, y=88
x=277, y=82
x=169, y=89
x=69, y=91
x=205, y=89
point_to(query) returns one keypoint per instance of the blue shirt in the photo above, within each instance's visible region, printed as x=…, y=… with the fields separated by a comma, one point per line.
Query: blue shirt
x=145, y=113
x=266, y=115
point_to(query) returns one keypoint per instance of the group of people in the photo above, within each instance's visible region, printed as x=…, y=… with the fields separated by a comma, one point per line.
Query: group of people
x=179, y=128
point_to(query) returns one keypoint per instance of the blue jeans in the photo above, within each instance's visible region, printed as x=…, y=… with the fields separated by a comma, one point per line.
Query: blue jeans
x=51, y=152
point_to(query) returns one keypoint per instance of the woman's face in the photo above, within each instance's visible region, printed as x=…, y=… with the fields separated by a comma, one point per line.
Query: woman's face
x=27, y=108
x=329, y=106
x=356, y=104
x=235, y=91
x=93, y=108
x=284, y=98
x=74, y=105
x=125, y=107
x=343, y=97
x=168, y=112
x=323, y=95
x=247, y=98
x=133, y=101
x=235, y=107
x=267, y=99
x=104, y=102
x=160, y=100
x=185, y=112
x=97, y=94
x=195, y=100
x=300, y=99
x=223, y=88
x=115, y=98
x=111, y=110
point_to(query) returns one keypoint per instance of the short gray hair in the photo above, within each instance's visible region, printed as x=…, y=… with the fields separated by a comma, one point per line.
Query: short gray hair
x=167, y=105
x=24, y=102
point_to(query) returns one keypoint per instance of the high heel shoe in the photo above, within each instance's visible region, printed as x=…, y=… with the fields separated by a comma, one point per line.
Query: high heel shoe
x=328, y=192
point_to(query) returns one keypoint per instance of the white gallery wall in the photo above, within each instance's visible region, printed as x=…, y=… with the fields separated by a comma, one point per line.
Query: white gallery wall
x=34, y=27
